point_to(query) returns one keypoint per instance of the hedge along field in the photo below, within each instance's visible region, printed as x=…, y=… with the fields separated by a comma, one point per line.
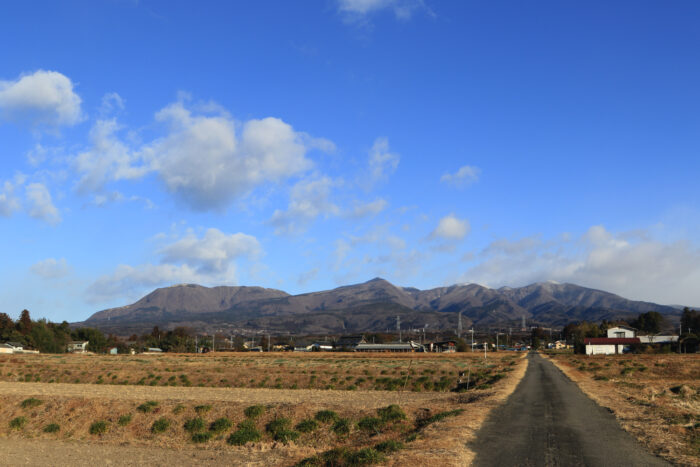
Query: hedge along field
x=655, y=397
x=347, y=371
x=312, y=427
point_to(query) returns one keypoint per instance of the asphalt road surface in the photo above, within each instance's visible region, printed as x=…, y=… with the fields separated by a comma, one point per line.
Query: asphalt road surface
x=549, y=421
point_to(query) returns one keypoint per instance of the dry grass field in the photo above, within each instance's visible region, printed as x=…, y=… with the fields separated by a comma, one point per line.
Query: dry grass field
x=391, y=408
x=655, y=397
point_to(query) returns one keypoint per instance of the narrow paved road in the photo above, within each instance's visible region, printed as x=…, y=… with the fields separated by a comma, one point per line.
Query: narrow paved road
x=548, y=421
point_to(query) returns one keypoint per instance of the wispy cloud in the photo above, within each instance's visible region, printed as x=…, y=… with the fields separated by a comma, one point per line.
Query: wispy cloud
x=466, y=175
x=52, y=268
x=357, y=10
x=309, y=199
x=40, y=204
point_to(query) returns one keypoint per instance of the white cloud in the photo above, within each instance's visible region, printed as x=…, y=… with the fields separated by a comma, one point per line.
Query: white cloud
x=207, y=260
x=44, y=98
x=451, y=228
x=634, y=265
x=382, y=162
x=51, y=268
x=466, y=175
x=40, y=204
x=9, y=203
x=205, y=159
x=309, y=199
x=371, y=208
x=402, y=9
x=204, y=164
x=109, y=159
x=213, y=253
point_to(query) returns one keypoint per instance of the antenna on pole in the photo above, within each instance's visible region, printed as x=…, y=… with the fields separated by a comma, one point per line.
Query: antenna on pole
x=398, y=326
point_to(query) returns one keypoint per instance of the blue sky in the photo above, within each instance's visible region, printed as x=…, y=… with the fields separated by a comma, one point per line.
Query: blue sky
x=306, y=145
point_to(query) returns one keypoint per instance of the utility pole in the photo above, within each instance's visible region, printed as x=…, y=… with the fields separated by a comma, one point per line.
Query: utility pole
x=213, y=342
x=472, y=331
x=196, y=344
x=268, y=342
x=498, y=334
x=398, y=326
x=459, y=325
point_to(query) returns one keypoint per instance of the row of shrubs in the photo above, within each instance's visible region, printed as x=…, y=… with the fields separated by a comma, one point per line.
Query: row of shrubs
x=344, y=456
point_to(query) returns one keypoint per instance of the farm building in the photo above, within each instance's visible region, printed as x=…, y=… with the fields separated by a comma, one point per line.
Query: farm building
x=608, y=345
x=619, y=340
x=391, y=347
x=658, y=339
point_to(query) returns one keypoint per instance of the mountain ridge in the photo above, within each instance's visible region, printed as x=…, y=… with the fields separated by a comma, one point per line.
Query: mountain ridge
x=368, y=306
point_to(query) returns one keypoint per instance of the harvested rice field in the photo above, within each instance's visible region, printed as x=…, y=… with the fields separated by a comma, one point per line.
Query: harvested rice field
x=344, y=416
x=386, y=372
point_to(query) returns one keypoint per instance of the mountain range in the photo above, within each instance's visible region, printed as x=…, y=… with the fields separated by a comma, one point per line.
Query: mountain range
x=367, y=307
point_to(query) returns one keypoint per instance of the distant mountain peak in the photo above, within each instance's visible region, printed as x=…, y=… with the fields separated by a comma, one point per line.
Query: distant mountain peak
x=369, y=306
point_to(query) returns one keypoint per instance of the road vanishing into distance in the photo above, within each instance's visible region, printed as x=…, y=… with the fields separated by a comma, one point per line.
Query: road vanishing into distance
x=549, y=421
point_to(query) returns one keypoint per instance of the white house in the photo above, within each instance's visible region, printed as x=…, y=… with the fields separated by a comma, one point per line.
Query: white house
x=621, y=332
x=78, y=346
